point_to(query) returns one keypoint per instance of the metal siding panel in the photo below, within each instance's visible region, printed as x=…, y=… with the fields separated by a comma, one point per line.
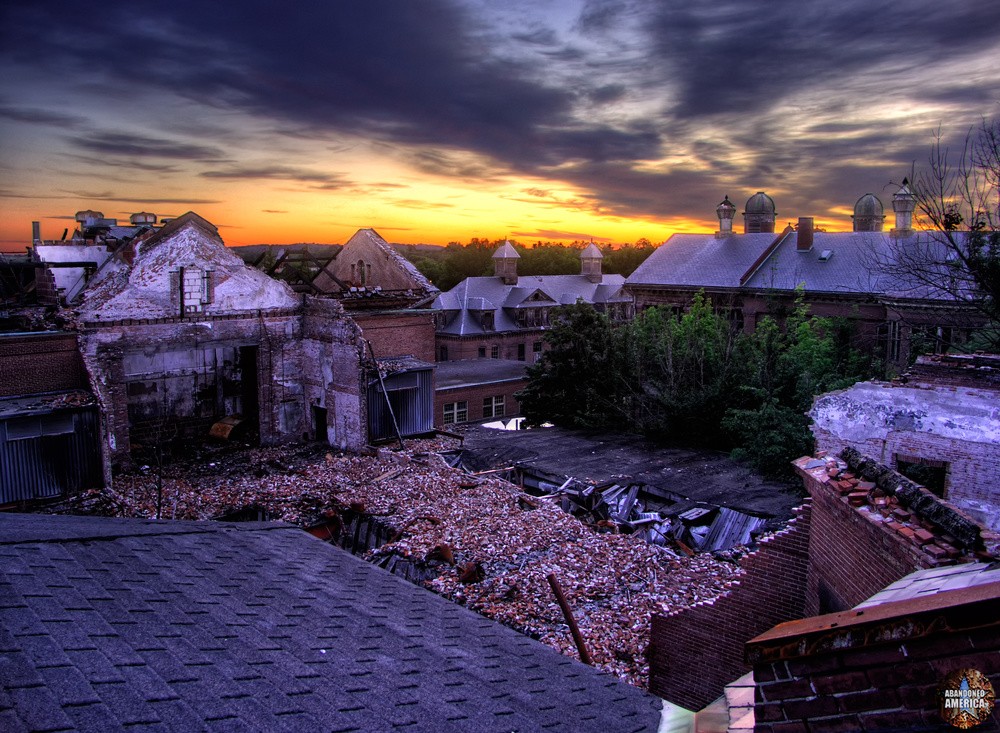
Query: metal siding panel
x=48, y=466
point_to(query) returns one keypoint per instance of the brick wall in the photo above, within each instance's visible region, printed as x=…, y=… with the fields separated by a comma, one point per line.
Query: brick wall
x=855, y=551
x=850, y=557
x=475, y=396
x=695, y=652
x=467, y=347
x=399, y=334
x=878, y=671
x=40, y=363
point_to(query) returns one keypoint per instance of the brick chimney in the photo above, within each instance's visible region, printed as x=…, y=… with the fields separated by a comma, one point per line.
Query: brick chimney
x=505, y=263
x=804, y=236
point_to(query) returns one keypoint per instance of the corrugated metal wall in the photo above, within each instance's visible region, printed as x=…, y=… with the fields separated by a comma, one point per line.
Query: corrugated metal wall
x=48, y=465
x=412, y=397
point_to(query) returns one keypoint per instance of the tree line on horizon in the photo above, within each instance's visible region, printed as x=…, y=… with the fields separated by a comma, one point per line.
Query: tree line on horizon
x=447, y=266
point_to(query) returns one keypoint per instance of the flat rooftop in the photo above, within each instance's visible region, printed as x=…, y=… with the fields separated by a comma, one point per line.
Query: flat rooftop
x=705, y=476
x=472, y=372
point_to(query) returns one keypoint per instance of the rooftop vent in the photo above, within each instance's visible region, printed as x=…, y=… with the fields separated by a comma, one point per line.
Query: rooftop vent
x=825, y=255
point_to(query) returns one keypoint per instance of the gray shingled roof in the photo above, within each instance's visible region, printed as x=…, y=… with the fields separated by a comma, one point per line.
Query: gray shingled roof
x=839, y=262
x=491, y=293
x=107, y=624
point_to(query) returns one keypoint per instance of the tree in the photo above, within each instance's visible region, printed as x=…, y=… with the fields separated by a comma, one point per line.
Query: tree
x=571, y=384
x=957, y=198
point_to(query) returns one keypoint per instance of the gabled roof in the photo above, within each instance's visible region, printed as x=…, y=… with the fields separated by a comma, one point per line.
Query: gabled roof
x=109, y=624
x=145, y=290
x=484, y=293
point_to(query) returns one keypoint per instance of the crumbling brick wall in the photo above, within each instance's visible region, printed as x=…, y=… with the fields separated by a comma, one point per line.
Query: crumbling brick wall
x=42, y=362
x=695, y=652
x=856, y=548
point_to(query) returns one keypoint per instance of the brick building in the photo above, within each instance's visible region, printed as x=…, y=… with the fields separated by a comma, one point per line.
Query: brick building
x=886, y=663
x=48, y=418
x=474, y=390
x=760, y=273
x=186, y=333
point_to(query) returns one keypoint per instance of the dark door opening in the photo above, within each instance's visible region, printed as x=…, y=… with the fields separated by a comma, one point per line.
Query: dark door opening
x=319, y=423
x=248, y=389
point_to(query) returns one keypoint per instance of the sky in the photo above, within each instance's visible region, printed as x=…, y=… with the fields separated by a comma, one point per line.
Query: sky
x=440, y=120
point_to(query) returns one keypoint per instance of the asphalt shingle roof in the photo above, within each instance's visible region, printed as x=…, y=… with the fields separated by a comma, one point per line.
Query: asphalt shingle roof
x=107, y=624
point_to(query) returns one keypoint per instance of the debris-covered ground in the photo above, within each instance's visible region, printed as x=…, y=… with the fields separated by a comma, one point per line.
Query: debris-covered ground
x=491, y=545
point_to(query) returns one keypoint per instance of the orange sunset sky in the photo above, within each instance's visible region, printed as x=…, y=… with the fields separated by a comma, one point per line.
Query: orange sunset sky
x=443, y=120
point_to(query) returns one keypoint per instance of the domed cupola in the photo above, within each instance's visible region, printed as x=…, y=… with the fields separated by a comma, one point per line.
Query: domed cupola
x=759, y=214
x=869, y=214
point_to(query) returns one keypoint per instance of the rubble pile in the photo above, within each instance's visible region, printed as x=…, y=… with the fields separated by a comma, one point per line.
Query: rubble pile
x=490, y=546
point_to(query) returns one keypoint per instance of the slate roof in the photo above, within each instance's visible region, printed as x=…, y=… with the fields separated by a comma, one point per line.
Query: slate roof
x=476, y=294
x=839, y=262
x=107, y=624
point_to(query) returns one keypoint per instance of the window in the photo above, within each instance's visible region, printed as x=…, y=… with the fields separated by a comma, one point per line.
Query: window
x=493, y=406
x=443, y=353
x=494, y=352
x=488, y=323
x=536, y=351
x=482, y=352
x=888, y=340
x=455, y=412
x=930, y=474
x=520, y=352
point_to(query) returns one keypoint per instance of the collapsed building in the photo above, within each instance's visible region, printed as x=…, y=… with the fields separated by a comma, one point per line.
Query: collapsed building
x=176, y=333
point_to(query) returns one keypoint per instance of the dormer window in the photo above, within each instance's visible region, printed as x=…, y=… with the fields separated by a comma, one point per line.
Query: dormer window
x=488, y=324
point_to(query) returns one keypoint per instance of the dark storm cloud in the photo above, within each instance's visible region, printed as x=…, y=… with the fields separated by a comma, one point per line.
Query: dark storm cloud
x=734, y=55
x=456, y=97
x=40, y=116
x=405, y=72
x=125, y=143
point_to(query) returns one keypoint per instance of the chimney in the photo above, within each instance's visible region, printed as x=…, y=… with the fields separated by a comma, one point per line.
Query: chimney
x=804, y=238
x=505, y=263
x=590, y=263
x=725, y=211
x=36, y=232
x=903, y=203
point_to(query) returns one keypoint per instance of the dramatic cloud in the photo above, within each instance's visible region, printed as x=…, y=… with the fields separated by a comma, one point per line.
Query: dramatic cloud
x=124, y=143
x=649, y=108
